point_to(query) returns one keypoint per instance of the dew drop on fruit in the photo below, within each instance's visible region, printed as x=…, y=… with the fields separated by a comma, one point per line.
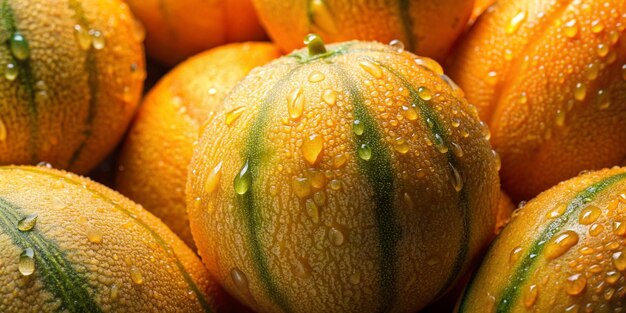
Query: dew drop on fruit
x=82, y=37
x=316, y=76
x=484, y=129
x=334, y=184
x=136, y=276
x=439, y=144
x=515, y=254
x=213, y=179
x=372, y=68
x=589, y=215
x=619, y=260
x=398, y=45
x=603, y=100
x=312, y=210
x=515, y=22
x=317, y=178
x=409, y=113
x=335, y=236
x=27, y=223
x=240, y=279
x=597, y=26
x=430, y=64
x=457, y=180
x=401, y=145
x=295, y=103
x=26, y=265
x=3, y=131
x=593, y=69
x=97, y=39
x=312, y=147
x=329, y=96
x=559, y=120
x=319, y=198
x=508, y=54
x=19, y=46
x=115, y=292
x=570, y=28
x=596, y=229
x=575, y=284
x=11, y=71
x=530, y=295
x=358, y=128
x=580, y=91
x=212, y=91
x=365, y=152
x=339, y=160
x=457, y=150
x=612, y=277
x=602, y=50
x=232, y=115
x=560, y=244
x=243, y=180
x=301, y=187
x=94, y=235
x=455, y=122
x=497, y=160
x=492, y=78
x=623, y=71
x=424, y=93
x=619, y=228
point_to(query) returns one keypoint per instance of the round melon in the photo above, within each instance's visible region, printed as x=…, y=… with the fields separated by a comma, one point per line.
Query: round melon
x=426, y=27
x=549, y=77
x=564, y=251
x=152, y=169
x=72, y=75
x=347, y=178
x=178, y=29
x=71, y=245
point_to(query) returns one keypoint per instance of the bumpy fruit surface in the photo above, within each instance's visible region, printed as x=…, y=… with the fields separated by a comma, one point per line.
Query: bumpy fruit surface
x=158, y=149
x=564, y=251
x=352, y=178
x=549, y=77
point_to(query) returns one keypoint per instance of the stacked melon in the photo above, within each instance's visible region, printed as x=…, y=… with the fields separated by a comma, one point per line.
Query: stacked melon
x=352, y=176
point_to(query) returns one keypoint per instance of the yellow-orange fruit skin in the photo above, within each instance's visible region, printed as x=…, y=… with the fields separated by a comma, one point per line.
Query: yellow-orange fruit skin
x=154, y=159
x=99, y=249
x=503, y=214
x=563, y=251
x=426, y=27
x=548, y=78
x=178, y=29
x=325, y=224
x=69, y=105
x=480, y=6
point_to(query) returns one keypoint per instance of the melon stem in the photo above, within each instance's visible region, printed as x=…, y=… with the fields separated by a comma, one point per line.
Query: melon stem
x=315, y=44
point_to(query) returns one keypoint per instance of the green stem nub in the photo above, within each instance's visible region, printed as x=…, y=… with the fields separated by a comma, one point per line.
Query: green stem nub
x=315, y=44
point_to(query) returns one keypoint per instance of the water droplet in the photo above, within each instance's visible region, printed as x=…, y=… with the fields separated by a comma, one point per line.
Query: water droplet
x=492, y=78
x=19, y=46
x=508, y=55
x=401, y=145
x=336, y=236
x=409, y=113
x=457, y=180
x=612, y=277
x=26, y=266
x=592, y=70
x=135, y=275
x=580, y=92
x=358, y=128
x=430, y=64
x=424, y=93
x=115, y=292
x=212, y=91
x=82, y=36
x=301, y=187
x=295, y=103
x=240, y=279
x=619, y=228
x=94, y=235
x=232, y=115
x=515, y=254
x=316, y=76
x=570, y=28
x=624, y=72
x=560, y=244
x=497, y=159
x=559, y=120
x=602, y=50
x=603, y=100
x=329, y=96
x=97, y=39
x=589, y=215
x=365, y=152
x=596, y=229
x=312, y=147
x=456, y=149
x=619, y=260
x=530, y=296
x=334, y=184
x=455, y=122
x=597, y=26
x=439, y=144
x=339, y=160
x=11, y=71
x=575, y=284
x=397, y=45
x=484, y=129
x=213, y=179
x=515, y=22
x=312, y=210
x=522, y=98
x=27, y=223
x=372, y=68
x=243, y=180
